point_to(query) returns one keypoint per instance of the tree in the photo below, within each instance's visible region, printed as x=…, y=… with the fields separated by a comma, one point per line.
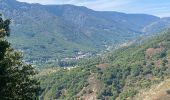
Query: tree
x=17, y=81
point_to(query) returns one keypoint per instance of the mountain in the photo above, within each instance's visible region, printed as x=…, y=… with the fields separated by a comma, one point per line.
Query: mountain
x=157, y=26
x=47, y=33
x=133, y=72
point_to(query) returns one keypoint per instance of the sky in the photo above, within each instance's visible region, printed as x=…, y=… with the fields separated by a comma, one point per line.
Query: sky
x=159, y=8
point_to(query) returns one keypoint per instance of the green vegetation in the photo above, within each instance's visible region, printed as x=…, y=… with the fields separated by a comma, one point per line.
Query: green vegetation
x=128, y=70
x=17, y=81
x=64, y=84
x=50, y=33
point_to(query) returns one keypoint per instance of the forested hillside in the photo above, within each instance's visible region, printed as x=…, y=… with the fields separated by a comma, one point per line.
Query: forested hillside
x=120, y=74
x=50, y=33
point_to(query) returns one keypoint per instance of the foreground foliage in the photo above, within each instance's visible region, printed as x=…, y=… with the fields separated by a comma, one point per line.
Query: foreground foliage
x=17, y=80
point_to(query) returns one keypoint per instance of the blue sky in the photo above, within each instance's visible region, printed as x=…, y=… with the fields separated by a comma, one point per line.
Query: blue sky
x=155, y=7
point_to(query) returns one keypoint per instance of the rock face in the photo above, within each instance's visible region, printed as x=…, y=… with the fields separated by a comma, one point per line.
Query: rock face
x=151, y=51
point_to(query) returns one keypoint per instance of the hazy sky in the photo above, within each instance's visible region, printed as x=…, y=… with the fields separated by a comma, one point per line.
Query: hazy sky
x=155, y=7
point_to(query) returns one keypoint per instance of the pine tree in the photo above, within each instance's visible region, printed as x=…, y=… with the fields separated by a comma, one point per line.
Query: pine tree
x=17, y=79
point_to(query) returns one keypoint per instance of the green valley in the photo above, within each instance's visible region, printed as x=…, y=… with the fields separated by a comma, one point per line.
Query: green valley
x=46, y=34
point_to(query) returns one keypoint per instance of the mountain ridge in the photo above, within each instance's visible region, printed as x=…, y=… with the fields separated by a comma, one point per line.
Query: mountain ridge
x=60, y=31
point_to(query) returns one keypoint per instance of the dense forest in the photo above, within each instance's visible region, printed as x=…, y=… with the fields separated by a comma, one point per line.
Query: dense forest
x=120, y=74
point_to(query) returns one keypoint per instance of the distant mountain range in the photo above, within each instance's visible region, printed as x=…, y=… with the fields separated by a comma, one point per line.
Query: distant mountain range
x=48, y=32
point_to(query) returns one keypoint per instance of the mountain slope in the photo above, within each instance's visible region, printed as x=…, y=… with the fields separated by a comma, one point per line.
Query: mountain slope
x=157, y=26
x=47, y=33
x=157, y=92
x=119, y=75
